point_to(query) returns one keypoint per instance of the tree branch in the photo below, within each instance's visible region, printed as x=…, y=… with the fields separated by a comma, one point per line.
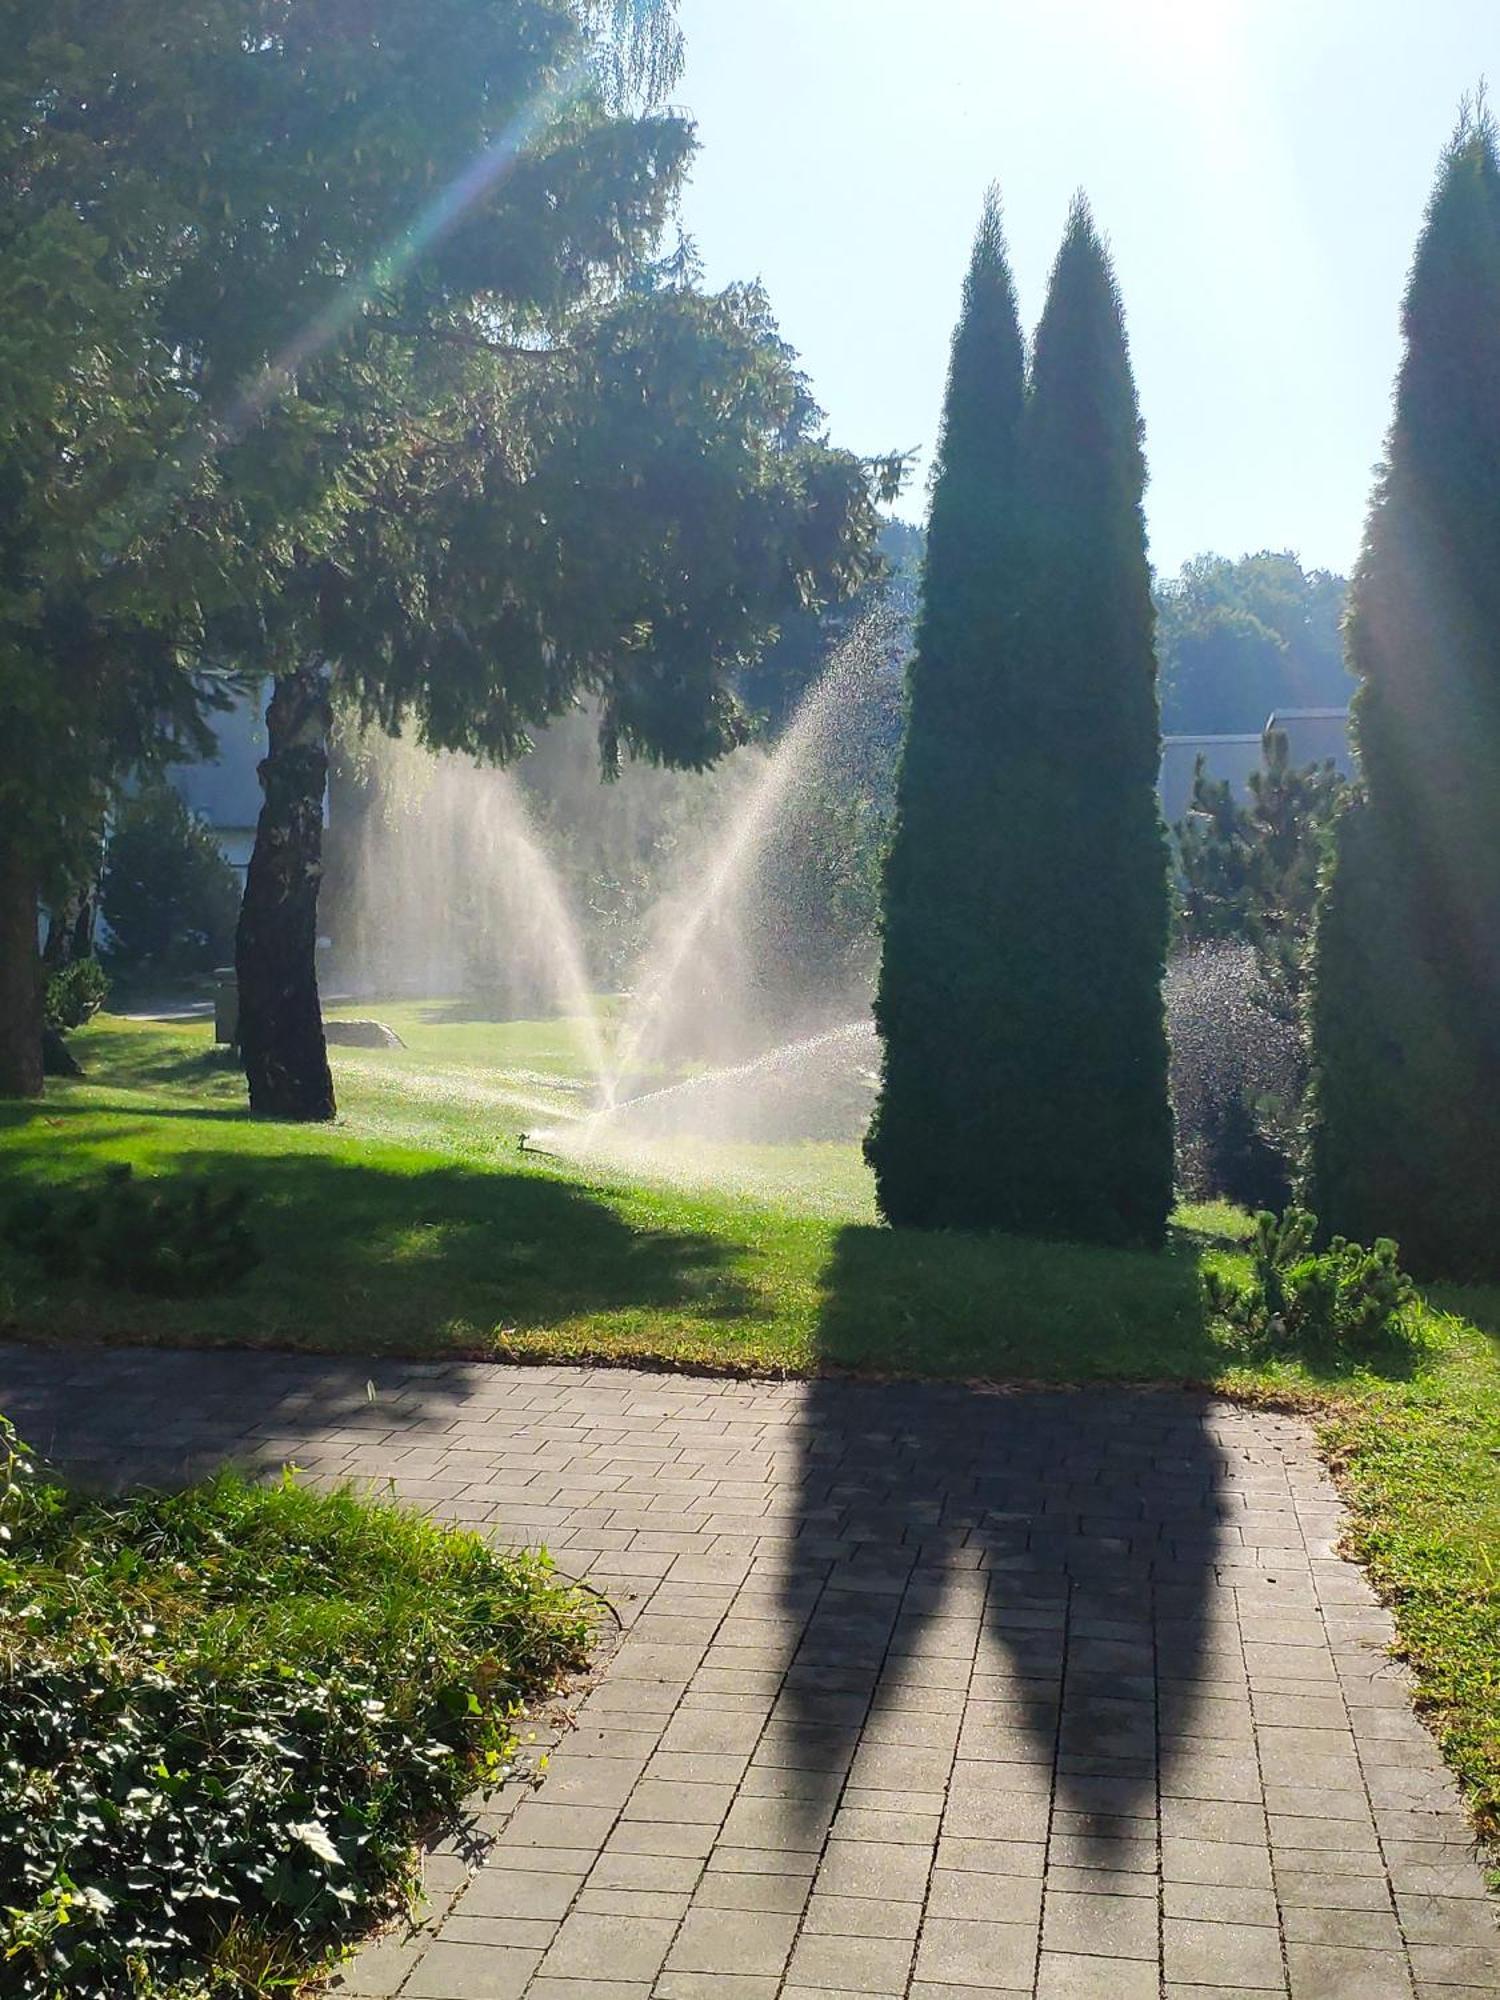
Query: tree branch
x=458, y=336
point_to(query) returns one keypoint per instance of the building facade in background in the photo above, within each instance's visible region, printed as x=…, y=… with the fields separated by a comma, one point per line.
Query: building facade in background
x=224, y=791
x=1314, y=736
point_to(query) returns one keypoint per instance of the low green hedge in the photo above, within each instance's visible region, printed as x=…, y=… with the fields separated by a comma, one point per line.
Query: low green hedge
x=225, y=1714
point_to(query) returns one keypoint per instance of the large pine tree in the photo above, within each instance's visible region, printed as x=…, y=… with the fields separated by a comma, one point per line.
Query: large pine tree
x=1405, y=1124
x=1020, y=997
x=934, y=1141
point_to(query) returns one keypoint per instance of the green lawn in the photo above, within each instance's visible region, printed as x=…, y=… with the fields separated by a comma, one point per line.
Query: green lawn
x=417, y=1225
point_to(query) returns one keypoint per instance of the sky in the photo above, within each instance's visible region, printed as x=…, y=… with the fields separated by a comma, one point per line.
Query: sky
x=1260, y=168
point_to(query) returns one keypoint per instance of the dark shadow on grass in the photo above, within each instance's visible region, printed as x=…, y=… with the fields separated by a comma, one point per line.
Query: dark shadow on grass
x=1047, y=1553
x=429, y=1262
x=477, y=1012
x=122, y=1058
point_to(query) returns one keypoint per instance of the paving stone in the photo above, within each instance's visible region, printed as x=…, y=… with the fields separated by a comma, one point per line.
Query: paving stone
x=1219, y=1903
x=1106, y=1926
x=733, y=1889
x=861, y=1916
x=1331, y=1972
x=875, y=1868
x=534, y=1933
x=1460, y=1964
x=471, y=1972
x=648, y=1836
x=1063, y=1976
x=671, y=1903
x=716, y=1986
x=544, y=1988
x=720, y=1941
x=1225, y=1864
x=1368, y=1930
x=1473, y=1920
x=615, y=1870
x=993, y=1857
x=854, y=1965
x=971, y=1952
x=1007, y=1899
x=679, y=1803
x=592, y=1947
x=1232, y=1954
x=497, y=1892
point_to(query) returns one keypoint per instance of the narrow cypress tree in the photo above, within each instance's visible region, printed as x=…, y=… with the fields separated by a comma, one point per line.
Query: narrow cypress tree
x=1405, y=1118
x=1086, y=910
x=934, y=1142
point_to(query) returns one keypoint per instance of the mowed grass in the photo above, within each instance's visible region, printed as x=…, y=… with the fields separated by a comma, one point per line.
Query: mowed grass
x=417, y=1225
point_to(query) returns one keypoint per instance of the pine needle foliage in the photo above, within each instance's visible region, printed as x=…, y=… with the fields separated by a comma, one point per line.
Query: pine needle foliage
x=1025, y=1081
x=1405, y=1125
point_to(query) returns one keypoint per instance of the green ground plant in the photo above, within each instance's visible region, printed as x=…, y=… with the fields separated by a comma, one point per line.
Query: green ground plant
x=75, y=995
x=1298, y=1299
x=225, y=1715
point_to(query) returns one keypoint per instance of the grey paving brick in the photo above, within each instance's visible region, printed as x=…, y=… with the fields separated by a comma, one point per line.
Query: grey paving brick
x=500, y=1892
x=1063, y=1976
x=1198, y=1953
x=595, y=1947
x=722, y=1941
x=851, y=1965
x=471, y=1972
x=1333, y=1972
x=1459, y=1964
x=1472, y=1920
x=861, y=1916
x=875, y=1868
x=1104, y=1926
x=975, y=1952
x=716, y=1986
x=1008, y=1899
x=544, y=1988
x=736, y=1889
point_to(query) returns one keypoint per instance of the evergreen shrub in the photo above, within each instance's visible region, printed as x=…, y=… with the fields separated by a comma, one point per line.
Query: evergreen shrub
x=1405, y=1104
x=1297, y=1297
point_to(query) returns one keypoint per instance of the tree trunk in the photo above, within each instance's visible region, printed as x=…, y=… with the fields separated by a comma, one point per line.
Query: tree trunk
x=281, y=1018
x=20, y=978
x=70, y=929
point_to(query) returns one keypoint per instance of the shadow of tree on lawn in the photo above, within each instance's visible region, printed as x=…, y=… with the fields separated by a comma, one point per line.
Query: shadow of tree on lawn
x=1039, y=1563
x=421, y=1259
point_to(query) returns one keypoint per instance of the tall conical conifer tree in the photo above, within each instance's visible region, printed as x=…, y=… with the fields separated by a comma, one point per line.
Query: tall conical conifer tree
x=935, y=1140
x=1025, y=1082
x=1086, y=901
x=1405, y=1121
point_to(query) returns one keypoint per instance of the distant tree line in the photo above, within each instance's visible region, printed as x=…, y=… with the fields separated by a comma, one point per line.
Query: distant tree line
x=1237, y=640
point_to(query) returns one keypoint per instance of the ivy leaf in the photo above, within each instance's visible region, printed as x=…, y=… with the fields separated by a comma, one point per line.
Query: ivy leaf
x=314, y=1835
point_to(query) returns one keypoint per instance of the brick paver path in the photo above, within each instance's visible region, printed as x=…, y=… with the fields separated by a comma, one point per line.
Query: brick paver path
x=923, y=1691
